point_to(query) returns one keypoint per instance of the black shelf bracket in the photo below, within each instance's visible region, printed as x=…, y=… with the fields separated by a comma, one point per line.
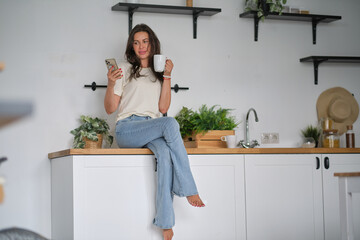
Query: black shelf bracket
x=94, y=86
x=315, y=22
x=196, y=14
x=316, y=70
x=256, y=27
x=131, y=11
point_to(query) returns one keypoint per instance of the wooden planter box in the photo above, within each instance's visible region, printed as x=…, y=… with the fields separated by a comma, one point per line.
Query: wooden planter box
x=211, y=139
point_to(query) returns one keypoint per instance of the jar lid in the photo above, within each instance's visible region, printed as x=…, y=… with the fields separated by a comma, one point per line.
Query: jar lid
x=330, y=131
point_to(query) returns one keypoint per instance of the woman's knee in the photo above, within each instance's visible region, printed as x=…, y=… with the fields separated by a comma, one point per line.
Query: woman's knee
x=159, y=147
x=172, y=124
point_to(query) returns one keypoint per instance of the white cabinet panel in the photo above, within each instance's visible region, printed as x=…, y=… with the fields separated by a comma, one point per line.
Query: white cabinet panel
x=113, y=197
x=117, y=197
x=220, y=181
x=338, y=163
x=283, y=197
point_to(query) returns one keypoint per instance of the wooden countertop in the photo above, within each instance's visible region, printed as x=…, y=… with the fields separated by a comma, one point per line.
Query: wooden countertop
x=145, y=151
x=347, y=174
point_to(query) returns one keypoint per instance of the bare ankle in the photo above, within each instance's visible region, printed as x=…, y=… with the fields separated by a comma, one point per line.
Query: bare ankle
x=168, y=234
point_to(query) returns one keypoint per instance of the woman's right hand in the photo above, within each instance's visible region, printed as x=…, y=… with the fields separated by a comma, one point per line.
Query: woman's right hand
x=114, y=75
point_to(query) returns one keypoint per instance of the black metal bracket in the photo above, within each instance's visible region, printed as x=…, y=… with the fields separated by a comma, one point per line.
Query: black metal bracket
x=315, y=22
x=256, y=26
x=93, y=86
x=316, y=69
x=131, y=13
x=195, y=17
x=176, y=88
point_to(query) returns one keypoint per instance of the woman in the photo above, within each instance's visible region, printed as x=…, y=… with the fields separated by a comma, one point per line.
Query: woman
x=141, y=94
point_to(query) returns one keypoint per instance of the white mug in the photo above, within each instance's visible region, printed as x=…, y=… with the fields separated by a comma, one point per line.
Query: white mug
x=159, y=62
x=230, y=140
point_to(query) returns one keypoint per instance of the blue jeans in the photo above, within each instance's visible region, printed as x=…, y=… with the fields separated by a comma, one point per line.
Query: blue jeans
x=162, y=137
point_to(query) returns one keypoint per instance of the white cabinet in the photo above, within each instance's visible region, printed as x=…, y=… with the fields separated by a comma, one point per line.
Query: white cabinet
x=113, y=197
x=338, y=163
x=103, y=197
x=288, y=196
x=284, y=197
x=296, y=196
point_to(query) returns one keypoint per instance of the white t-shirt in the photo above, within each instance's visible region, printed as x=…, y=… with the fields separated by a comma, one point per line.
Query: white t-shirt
x=139, y=96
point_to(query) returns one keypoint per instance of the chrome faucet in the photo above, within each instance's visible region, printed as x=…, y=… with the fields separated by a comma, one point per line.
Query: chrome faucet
x=247, y=143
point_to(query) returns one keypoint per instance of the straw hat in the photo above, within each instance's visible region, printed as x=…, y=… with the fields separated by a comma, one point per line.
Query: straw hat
x=340, y=105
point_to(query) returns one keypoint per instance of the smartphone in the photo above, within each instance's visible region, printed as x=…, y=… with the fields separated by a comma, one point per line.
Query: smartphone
x=110, y=63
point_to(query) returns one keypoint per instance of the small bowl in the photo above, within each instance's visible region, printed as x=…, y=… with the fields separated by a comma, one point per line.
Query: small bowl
x=309, y=142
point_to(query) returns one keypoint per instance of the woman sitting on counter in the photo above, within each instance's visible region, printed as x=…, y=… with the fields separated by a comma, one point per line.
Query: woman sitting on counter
x=142, y=94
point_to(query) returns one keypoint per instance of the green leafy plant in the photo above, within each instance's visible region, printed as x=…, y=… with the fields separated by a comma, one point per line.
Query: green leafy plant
x=263, y=7
x=311, y=131
x=89, y=128
x=185, y=118
x=205, y=119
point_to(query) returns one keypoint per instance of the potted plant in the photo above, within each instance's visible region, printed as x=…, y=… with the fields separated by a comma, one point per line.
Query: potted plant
x=312, y=132
x=91, y=132
x=206, y=124
x=263, y=7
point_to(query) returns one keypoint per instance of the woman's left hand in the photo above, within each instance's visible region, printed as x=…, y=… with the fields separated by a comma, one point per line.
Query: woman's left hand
x=168, y=67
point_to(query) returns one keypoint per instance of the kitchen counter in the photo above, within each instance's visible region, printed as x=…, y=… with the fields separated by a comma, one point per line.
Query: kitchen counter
x=92, y=186
x=146, y=151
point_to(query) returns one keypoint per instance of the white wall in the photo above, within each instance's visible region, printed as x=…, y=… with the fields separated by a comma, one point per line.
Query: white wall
x=53, y=47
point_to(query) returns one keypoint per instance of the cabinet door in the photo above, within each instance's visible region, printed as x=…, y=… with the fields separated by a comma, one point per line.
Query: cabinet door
x=114, y=197
x=220, y=182
x=338, y=163
x=283, y=197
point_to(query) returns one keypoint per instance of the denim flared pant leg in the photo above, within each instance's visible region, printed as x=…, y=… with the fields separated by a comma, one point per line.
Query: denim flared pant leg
x=165, y=216
x=163, y=137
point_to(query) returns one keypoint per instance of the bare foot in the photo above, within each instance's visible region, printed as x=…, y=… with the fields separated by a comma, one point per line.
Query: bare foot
x=168, y=234
x=195, y=201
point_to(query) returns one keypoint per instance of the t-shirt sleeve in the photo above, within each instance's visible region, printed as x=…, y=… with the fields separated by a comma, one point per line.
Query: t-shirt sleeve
x=120, y=83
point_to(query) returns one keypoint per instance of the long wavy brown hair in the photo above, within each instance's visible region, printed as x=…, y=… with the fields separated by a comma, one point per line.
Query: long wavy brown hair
x=154, y=49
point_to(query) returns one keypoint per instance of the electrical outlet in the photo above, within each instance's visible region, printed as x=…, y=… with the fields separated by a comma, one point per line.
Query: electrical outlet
x=268, y=138
x=274, y=137
x=265, y=138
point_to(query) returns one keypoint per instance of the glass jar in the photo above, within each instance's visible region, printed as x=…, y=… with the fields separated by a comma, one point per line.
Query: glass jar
x=350, y=137
x=331, y=139
x=326, y=123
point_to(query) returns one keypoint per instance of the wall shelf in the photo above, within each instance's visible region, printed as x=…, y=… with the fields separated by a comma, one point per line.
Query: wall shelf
x=316, y=60
x=151, y=8
x=313, y=18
